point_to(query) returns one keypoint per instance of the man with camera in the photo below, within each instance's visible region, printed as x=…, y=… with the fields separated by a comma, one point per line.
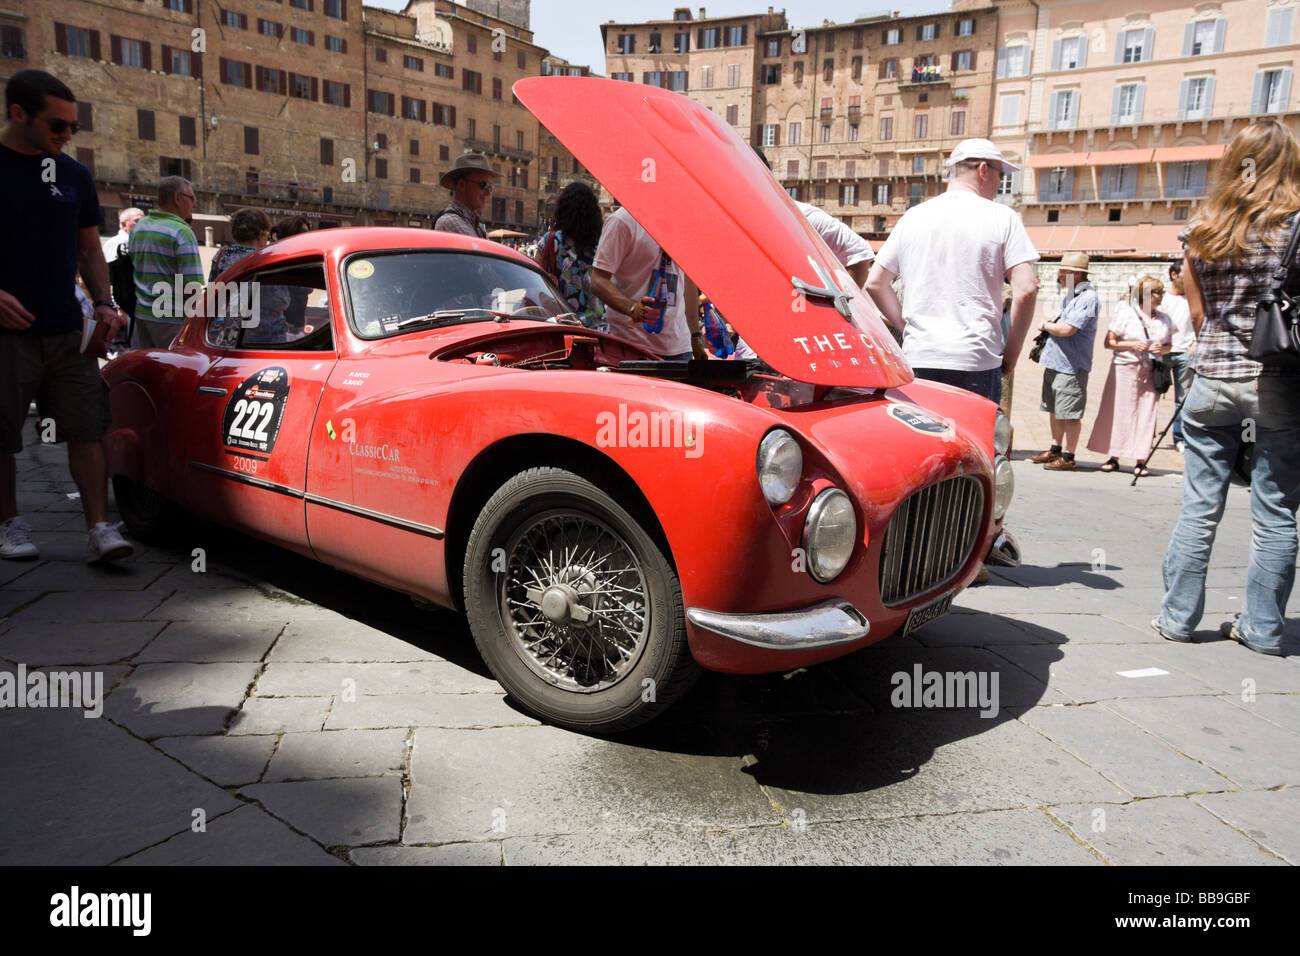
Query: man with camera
x=1067, y=359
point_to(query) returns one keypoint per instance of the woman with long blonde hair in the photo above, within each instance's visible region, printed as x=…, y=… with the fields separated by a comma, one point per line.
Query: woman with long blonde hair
x=1231, y=252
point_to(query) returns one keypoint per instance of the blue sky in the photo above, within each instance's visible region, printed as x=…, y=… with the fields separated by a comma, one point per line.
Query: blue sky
x=571, y=28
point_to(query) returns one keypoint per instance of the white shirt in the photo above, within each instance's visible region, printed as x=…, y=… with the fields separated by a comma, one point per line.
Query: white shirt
x=631, y=257
x=1127, y=324
x=111, y=246
x=848, y=246
x=1176, y=307
x=953, y=252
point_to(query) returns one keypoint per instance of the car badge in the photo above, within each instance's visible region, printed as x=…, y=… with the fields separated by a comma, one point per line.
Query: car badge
x=828, y=289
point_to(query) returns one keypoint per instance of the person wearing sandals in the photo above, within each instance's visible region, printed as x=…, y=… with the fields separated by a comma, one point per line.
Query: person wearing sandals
x=1126, y=420
x=1231, y=252
x=1067, y=361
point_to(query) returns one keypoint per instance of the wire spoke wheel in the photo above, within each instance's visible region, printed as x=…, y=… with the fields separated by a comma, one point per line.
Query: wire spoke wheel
x=573, y=599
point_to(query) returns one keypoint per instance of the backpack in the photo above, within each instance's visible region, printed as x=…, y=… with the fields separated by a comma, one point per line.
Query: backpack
x=121, y=277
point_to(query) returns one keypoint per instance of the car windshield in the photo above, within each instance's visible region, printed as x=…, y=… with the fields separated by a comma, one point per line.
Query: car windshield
x=392, y=293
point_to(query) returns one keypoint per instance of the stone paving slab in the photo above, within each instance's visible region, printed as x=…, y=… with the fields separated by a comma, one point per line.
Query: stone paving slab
x=371, y=679
x=1280, y=709
x=1143, y=765
x=981, y=630
x=1089, y=672
x=1228, y=667
x=77, y=576
x=50, y=643
x=1084, y=628
x=240, y=604
x=88, y=792
x=105, y=606
x=533, y=781
x=908, y=763
x=449, y=854
x=210, y=642
x=1269, y=817
x=343, y=640
x=336, y=812
x=278, y=715
x=1250, y=751
x=341, y=753
x=169, y=700
x=636, y=848
x=226, y=761
x=1006, y=838
x=427, y=710
x=247, y=836
x=1161, y=831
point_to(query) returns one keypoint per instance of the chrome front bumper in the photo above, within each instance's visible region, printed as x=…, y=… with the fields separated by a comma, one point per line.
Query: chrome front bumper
x=821, y=625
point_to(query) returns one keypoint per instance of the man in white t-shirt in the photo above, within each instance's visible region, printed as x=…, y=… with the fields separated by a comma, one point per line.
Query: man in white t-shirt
x=852, y=250
x=126, y=220
x=1180, y=358
x=627, y=261
x=953, y=252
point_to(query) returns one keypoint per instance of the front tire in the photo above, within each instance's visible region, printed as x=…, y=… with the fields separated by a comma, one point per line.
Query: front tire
x=149, y=516
x=574, y=607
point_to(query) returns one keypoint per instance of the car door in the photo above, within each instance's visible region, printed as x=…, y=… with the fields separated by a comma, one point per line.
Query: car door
x=253, y=408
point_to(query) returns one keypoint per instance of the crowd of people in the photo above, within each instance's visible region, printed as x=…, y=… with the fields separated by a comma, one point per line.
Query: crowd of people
x=965, y=264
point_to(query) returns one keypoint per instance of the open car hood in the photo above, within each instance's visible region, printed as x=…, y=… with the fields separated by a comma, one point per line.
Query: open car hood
x=701, y=191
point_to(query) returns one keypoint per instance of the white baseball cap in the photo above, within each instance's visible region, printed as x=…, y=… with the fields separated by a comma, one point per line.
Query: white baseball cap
x=979, y=149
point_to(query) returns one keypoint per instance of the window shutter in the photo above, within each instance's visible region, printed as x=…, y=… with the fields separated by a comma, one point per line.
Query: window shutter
x=1119, y=47
x=343, y=9
x=94, y=45
x=423, y=106
x=880, y=71
x=1209, y=98
x=146, y=54
x=315, y=89
x=1083, y=52
x=953, y=67
x=1189, y=35
x=1198, y=177
x=259, y=81
x=248, y=71
x=1056, y=54
x=347, y=95
x=918, y=31
x=452, y=124
x=1220, y=28
x=758, y=135
x=1115, y=97
x=776, y=135
x=311, y=37
x=1257, y=103
x=744, y=35
x=223, y=69
x=115, y=48
x=1002, y=63
x=1137, y=102
x=1148, y=43
x=60, y=38
x=391, y=102
x=166, y=58
x=1051, y=111
x=279, y=31
x=162, y=166
x=1182, y=99
x=1285, y=94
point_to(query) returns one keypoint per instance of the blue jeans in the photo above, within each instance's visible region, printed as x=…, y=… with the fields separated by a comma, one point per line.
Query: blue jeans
x=1218, y=417
x=1180, y=363
x=987, y=383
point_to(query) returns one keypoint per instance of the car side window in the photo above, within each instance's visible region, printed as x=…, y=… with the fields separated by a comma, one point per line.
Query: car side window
x=284, y=308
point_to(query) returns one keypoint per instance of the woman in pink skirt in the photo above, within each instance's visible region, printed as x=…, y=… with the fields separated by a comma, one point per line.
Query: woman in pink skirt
x=1127, y=417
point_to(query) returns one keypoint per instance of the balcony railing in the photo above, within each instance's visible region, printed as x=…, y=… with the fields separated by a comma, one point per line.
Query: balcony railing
x=1240, y=109
x=1085, y=193
x=498, y=149
x=910, y=81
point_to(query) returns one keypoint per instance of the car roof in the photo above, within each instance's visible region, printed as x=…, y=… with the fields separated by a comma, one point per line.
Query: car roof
x=345, y=240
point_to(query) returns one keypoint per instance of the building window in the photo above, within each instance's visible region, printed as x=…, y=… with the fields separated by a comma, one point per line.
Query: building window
x=413, y=63
x=927, y=31
x=962, y=59
x=773, y=48
x=1196, y=98
x=733, y=115
x=849, y=194
x=326, y=152
x=87, y=158
x=882, y=194
x=627, y=43
x=653, y=78
x=521, y=61
x=794, y=134
x=496, y=87
x=921, y=126
x=828, y=70
x=229, y=18
x=918, y=165
x=300, y=87
x=853, y=132
x=1133, y=45
x=706, y=77
x=471, y=128
x=677, y=81
x=129, y=52
x=888, y=70
x=180, y=6
x=177, y=62
x=444, y=153
x=826, y=133
x=1065, y=109
x=886, y=127
x=234, y=73
x=337, y=94
x=892, y=37
x=1128, y=104
x=625, y=77
x=855, y=68
x=821, y=169
x=769, y=134
x=443, y=71
x=1009, y=111
x=1206, y=37
x=798, y=72
x=1005, y=185
x=412, y=109
x=12, y=43
x=381, y=168
x=958, y=126
x=268, y=28
x=733, y=74
x=1279, y=26
x=1071, y=53
x=336, y=44
x=736, y=36
x=771, y=74
x=144, y=124
x=792, y=169
x=300, y=4
x=250, y=140
x=914, y=194
x=379, y=102
x=1013, y=61
x=499, y=210
x=656, y=44
x=471, y=43
x=413, y=175
x=336, y=8
x=381, y=55
x=1272, y=92
x=471, y=81
x=188, y=131
x=85, y=116
x=305, y=37
x=709, y=38
x=966, y=27
x=681, y=42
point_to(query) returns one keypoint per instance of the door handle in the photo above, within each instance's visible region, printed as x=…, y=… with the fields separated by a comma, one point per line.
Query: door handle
x=211, y=390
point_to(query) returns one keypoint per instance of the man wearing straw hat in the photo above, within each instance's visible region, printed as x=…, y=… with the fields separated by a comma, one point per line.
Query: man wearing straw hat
x=1067, y=360
x=470, y=181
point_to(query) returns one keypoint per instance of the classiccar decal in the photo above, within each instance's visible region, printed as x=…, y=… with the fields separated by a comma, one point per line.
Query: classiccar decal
x=919, y=420
x=361, y=269
x=253, y=414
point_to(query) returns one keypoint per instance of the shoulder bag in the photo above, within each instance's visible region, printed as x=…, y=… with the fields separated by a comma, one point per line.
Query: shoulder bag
x=1161, y=375
x=1276, y=338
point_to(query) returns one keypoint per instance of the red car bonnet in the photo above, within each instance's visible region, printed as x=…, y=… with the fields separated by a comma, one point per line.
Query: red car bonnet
x=700, y=190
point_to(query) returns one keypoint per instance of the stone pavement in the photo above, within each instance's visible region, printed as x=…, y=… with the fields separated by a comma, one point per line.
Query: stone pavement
x=272, y=710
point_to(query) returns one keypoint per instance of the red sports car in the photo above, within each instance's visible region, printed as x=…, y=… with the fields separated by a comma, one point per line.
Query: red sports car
x=432, y=421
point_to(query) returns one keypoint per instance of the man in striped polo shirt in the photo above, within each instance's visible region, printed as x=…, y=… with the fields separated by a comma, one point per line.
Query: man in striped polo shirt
x=164, y=253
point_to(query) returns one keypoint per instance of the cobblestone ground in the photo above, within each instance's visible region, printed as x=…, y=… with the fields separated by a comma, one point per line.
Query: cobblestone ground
x=272, y=710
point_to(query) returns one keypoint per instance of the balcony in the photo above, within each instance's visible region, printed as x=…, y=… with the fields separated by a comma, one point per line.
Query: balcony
x=496, y=149
x=909, y=81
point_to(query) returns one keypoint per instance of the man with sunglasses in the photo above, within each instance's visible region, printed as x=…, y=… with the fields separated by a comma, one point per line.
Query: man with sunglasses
x=470, y=181
x=165, y=255
x=52, y=220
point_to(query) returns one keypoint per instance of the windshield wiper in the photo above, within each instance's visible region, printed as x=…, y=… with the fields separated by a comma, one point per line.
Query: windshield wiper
x=450, y=317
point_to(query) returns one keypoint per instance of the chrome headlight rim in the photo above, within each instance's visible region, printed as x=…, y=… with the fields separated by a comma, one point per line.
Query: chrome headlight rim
x=815, y=512
x=1001, y=433
x=778, y=489
x=1001, y=468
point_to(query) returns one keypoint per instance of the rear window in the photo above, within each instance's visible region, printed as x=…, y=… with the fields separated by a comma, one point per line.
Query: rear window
x=385, y=290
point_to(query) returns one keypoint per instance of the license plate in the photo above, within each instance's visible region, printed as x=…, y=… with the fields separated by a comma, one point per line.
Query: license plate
x=918, y=617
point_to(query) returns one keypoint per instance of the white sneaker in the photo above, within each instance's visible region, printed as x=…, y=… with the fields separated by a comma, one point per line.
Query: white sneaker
x=105, y=543
x=15, y=540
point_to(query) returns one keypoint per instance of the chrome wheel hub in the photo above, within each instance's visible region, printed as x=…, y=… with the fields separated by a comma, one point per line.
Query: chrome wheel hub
x=573, y=599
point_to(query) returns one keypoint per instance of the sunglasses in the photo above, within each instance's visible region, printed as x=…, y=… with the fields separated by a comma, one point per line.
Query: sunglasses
x=482, y=184
x=59, y=126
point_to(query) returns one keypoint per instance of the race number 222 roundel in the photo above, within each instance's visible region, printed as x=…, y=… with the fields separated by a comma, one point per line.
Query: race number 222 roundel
x=254, y=411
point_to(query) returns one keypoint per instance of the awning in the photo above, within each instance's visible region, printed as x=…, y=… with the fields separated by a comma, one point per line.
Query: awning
x=1143, y=240
x=1052, y=160
x=1184, y=154
x=1120, y=157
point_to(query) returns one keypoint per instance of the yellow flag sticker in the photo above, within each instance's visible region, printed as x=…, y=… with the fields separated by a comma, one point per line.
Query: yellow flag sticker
x=361, y=269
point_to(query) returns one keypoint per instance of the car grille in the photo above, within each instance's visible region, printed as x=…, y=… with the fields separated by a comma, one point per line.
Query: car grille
x=929, y=538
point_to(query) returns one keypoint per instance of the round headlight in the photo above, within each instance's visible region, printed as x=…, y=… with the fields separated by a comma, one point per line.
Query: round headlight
x=780, y=466
x=829, y=534
x=1001, y=433
x=1004, y=488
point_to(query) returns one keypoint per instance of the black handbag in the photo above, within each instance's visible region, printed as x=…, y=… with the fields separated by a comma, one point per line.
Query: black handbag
x=1161, y=375
x=1036, y=353
x=1276, y=338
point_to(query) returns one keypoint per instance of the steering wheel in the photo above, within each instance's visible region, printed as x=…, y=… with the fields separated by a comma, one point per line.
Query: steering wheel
x=531, y=312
